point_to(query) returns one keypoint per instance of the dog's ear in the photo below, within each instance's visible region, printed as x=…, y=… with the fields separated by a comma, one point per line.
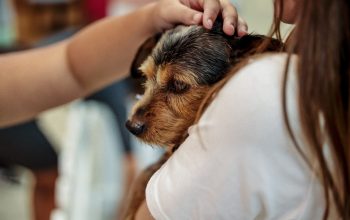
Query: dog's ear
x=252, y=44
x=144, y=51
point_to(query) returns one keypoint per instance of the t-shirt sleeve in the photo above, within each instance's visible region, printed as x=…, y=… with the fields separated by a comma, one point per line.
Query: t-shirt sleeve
x=238, y=160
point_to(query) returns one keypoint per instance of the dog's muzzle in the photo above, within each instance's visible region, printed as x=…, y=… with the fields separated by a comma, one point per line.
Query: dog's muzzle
x=136, y=128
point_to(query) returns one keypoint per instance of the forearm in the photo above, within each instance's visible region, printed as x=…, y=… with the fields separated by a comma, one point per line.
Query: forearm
x=103, y=52
x=33, y=81
x=39, y=79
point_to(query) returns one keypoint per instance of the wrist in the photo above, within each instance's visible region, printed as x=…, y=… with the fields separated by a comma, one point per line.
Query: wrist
x=150, y=20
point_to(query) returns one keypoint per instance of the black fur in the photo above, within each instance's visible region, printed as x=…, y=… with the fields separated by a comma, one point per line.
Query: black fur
x=205, y=53
x=209, y=54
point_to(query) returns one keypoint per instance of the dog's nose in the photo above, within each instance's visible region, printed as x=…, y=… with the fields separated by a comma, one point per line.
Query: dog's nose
x=136, y=128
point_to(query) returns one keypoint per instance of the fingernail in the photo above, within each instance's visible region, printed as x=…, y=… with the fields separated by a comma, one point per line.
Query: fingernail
x=210, y=23
x=232, y=29
x=244, y=29
x=197, y=18
x=242, y=32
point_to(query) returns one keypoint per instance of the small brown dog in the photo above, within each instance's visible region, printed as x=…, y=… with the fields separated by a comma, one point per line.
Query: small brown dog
x=183, y=66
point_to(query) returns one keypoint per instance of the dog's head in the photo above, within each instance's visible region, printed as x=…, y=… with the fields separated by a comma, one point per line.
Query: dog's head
x=185, y=62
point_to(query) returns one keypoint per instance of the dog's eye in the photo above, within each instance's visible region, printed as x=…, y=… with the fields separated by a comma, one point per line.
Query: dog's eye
x=178, y=87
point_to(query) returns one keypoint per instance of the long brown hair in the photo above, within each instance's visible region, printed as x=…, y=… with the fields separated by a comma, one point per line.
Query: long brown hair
x=321, y=39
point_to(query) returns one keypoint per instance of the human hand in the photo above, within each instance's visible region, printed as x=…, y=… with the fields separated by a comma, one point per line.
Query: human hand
x=168, y=13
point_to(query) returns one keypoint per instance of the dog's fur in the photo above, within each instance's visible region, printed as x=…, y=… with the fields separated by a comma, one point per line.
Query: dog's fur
x=182, y=67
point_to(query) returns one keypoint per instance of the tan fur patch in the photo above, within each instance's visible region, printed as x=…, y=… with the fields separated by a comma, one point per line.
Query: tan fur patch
x=148, y=68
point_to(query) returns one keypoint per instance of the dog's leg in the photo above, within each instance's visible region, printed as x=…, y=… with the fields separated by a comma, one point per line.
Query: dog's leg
x=137, y=192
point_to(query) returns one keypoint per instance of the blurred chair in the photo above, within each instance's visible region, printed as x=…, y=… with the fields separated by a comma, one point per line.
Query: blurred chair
x=25, y=145
x=89, y=185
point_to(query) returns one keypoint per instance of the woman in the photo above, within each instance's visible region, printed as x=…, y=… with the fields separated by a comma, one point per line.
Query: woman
x=274, y=143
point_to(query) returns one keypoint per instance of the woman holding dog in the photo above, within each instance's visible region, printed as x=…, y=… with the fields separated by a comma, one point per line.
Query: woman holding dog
x=275, y=141
x=274, y=144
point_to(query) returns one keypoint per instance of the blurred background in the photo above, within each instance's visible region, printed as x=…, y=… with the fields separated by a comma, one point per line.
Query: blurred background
x=76, y=162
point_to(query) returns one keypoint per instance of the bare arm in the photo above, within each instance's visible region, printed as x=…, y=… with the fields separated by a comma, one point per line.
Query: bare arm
x=43, y=78
x=33, y=81
x=103, y=53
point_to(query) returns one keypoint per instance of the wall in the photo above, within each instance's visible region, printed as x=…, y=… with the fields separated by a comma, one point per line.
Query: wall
x=259, y=15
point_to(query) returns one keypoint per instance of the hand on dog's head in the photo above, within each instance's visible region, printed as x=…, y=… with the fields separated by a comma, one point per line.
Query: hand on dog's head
x=200, y=39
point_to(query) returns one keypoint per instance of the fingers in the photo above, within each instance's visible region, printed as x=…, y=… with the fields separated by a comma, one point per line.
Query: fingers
x=195, y=4
x=185, y=15
x=189, y=12
x=242, y=27
x=232, y=22
x=211, y=11
x=230, y=18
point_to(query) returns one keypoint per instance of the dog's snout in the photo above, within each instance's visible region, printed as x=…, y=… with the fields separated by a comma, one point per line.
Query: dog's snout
x=136, y=128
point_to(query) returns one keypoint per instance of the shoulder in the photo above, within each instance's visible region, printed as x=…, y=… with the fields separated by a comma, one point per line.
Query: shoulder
x=270, y=62
x=262, y=71
x=260, y=79
x=251, y=101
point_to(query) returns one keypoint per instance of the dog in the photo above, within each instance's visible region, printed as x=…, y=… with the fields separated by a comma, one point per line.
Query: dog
x=180, y=70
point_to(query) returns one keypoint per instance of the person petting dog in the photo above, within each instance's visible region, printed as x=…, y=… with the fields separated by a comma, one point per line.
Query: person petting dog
x=43, y=78
x=273, y=144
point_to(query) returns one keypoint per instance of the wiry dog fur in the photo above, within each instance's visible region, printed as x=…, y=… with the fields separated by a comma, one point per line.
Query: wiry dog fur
x=182, y=67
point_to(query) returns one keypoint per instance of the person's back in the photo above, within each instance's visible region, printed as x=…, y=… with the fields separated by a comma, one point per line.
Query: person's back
x=239, y=161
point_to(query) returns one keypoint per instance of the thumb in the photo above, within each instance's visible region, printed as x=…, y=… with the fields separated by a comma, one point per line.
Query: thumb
x=186, y=15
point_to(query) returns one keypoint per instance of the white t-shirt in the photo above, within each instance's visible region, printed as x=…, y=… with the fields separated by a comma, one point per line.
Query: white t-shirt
x=239, y=161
